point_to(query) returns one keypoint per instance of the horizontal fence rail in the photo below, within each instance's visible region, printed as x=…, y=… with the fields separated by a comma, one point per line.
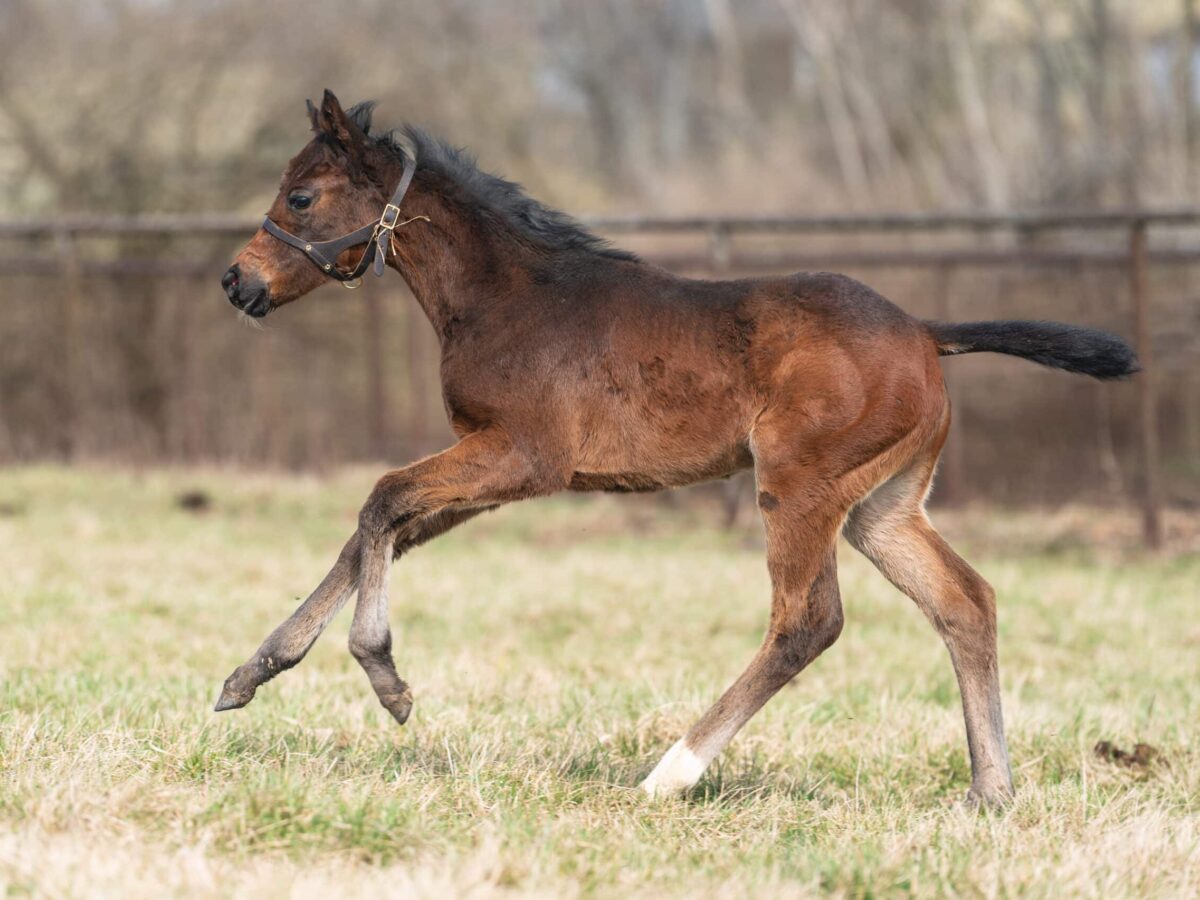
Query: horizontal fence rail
x=234, y=224
x=718, y=255
x=734, y=261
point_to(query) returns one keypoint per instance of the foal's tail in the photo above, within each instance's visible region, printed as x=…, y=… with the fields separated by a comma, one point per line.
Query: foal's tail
x=1069, y=347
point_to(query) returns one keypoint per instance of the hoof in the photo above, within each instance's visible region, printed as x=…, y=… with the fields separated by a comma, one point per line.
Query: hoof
x=226, y=702
x=989, y=797
x=676, y=773
x=658, y=791
x=399, y=705
x=232, y=696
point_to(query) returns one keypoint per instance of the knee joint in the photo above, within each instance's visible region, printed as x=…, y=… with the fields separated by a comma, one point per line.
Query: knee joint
x=363, y=648
x=385, y=509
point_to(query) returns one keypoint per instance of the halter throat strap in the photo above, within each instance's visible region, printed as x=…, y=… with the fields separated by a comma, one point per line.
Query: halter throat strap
x=377, y=236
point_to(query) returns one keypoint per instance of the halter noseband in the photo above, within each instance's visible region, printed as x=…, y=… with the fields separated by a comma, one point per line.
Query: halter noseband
x=377, y=236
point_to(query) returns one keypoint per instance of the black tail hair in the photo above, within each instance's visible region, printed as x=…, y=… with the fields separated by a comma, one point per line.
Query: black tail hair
x=1083, y=350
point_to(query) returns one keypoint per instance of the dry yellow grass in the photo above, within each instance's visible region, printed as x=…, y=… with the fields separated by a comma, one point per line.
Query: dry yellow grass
x=556, y=650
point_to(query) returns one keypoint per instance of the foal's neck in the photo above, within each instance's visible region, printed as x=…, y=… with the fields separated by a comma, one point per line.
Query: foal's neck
x=459, y=257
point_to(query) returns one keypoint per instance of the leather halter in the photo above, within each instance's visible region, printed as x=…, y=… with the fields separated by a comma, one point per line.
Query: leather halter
x=377, y=236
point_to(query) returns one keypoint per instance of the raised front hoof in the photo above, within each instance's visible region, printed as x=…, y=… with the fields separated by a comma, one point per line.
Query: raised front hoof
x=228, y=701
x=233, y=694
x=399, y=705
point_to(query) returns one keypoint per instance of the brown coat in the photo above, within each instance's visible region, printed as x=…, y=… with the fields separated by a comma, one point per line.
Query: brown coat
x=567, y=364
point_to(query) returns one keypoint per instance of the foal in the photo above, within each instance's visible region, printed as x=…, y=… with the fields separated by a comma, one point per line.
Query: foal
x=569, y=365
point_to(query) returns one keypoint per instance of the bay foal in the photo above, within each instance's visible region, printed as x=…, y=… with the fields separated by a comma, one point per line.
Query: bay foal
x=568, y=365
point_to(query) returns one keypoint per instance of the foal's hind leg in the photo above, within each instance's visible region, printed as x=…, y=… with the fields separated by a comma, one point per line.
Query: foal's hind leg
x=806, y=618
x=890, y=527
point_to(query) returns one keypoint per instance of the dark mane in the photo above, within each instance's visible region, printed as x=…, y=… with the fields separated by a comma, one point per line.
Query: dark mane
x=534, y=221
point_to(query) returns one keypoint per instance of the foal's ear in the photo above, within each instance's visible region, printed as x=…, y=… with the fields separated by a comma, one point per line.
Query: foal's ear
x=312, y=115
x=332, y=120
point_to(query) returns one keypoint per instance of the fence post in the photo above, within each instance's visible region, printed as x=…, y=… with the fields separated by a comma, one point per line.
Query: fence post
x=1147, y=401
x=417, y=335
x=720, y=252
x=186, y=404
x=269, y=443
x=68, y=253
x=376, y=378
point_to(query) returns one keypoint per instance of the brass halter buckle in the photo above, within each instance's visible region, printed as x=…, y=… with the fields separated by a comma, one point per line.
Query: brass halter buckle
x=391, y=215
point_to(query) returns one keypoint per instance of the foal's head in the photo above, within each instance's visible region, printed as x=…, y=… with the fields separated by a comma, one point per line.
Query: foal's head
x=333, y=186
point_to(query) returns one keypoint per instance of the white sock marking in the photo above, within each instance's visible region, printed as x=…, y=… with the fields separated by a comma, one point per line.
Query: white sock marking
x=677, y=771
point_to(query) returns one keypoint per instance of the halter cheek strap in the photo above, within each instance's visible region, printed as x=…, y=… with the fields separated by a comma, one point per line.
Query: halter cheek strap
x=377, y=236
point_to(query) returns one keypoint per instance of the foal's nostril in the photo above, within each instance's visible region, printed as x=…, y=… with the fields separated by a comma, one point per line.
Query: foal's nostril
x=230, y=281
x=250, y=296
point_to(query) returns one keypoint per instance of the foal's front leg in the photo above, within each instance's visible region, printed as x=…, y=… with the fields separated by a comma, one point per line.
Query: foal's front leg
x=482, y=461
x=482, y=471
x=290, y=641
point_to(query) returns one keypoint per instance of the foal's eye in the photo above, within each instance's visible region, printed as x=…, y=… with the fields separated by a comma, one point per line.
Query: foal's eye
x=299, y=201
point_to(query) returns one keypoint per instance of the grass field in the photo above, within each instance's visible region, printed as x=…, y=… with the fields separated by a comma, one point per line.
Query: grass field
x=556, y=650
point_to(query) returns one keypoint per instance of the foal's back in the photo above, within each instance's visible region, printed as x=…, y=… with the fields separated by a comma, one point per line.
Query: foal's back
x=660, y=380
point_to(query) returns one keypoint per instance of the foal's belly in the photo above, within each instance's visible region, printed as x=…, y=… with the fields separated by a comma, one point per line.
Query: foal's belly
x=647, y=419
x=660, y=473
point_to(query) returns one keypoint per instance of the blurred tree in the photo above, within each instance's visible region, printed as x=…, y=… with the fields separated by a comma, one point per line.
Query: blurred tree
x=126, y=105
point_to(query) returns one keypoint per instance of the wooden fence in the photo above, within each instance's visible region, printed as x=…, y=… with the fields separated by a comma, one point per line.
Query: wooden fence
x=52, y=246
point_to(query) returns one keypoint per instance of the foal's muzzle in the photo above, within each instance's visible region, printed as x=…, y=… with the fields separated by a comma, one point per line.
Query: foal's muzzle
x=247, y=294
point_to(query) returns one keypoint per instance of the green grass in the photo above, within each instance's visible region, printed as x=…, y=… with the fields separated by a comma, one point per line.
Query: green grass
x=556, y=650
